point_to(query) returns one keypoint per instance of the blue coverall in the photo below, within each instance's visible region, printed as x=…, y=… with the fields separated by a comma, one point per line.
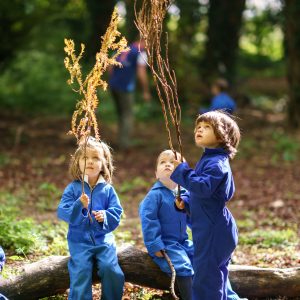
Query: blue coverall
x=165, y=228
x=92, y=242
x=2, y=261
x=214, y=229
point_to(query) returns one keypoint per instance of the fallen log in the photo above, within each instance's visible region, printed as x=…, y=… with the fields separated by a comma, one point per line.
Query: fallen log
x=50, y=276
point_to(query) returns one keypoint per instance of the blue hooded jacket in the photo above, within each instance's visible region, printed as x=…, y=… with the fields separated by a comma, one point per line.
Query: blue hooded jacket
x=2, y=259
x=81, y=229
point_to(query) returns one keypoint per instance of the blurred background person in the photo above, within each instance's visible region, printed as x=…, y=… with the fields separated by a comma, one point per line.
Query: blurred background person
x=221, y=99
x=122, y=83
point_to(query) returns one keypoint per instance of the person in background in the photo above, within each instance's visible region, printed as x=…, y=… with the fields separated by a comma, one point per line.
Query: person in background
x=122, y=83
x=221, y=99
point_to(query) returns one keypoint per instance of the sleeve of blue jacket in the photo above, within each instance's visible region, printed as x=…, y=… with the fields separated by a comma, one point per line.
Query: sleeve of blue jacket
x=112, y=213
x=150, y=224
x=70, y=209
x=2, y=259
x=185, y=196
x=203, y=184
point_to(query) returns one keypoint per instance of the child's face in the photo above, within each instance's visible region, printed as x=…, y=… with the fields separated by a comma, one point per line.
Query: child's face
x=205, y=136
x=93, y=163
x=165, y=166
x=215, y=90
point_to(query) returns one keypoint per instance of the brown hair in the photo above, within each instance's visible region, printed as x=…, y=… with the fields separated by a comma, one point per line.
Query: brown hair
x=105, y=154
x=221, y=84
x=225, y=129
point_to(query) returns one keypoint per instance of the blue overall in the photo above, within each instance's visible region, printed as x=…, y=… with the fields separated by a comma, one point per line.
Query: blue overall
x=2, y=261
x=214, y=229
x=165, y=228
x=92, y=242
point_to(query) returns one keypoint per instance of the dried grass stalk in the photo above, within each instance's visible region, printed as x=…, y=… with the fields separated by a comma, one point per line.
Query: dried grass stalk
x=84, y=121
x=149, y=21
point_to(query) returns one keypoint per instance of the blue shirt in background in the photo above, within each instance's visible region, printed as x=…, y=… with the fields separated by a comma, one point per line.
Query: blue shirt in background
x=124, y=79
x=221, y=101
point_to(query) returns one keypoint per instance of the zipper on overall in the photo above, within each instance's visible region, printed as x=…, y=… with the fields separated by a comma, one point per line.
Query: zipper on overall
x=90, y=211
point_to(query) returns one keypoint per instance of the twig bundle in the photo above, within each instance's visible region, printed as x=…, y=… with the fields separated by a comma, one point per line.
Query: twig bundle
x=149, y=21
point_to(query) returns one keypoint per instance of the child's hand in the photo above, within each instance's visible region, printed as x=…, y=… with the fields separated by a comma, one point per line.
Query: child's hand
x=179, y=203
x=158, y=254
x=99, y=215
x=84, y=198
x=176, y=163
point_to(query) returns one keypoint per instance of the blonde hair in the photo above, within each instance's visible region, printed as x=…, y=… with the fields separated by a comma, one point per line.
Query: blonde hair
x=105, y=154
x=225, y=129
x=168, y=152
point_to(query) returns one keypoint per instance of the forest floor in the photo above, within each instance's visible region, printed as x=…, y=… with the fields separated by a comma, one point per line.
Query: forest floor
x=266, y=171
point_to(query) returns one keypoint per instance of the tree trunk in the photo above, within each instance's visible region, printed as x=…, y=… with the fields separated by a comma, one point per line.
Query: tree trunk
x=292, y=39
x=100, y=14
x=225, y=19
x=50, y=277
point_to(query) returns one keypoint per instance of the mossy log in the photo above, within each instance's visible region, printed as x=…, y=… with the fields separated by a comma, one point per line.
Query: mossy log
x=50, y=276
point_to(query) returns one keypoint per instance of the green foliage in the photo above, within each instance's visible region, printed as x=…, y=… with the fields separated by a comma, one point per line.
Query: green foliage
x=48, y=195
x=135, y=183
x=286, y=147
x=245, y=224
x=256, y=65
x=247, y=148
x=144, y=294
x=24, y=236
x=123, y=236
x=4, y=159
x=148, y=111
x=36, y=82
x=21, y=236
x=262, y=33
x=57, y=297
x=266, y=238
x=26, y=23
x=56, y=237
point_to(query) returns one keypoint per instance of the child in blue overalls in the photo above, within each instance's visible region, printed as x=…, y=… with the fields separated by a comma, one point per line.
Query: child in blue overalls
x=164, y=228
x=209, y=187
x=2, y=262
x=92, y=216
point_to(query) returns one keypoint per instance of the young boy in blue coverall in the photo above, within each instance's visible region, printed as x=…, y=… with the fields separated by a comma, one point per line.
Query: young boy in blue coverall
x=92, y=216
x=209, y=187
x=164, y=228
